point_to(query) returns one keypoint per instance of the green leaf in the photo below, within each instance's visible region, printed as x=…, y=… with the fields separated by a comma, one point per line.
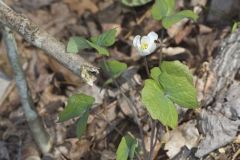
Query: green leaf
x=135, y=3
x=179, y=90
x=126, y=148
x=133, y=149
x=176, y=68
x=155, y=73
x=101, y=50
x=235, y=26
x=76, y=106
x=170, y=20
x=159, y=9
x=75, y=44
x=171, y=7
x=106, y=39
x=158, y=105
x=82, y=124
x=114, y=68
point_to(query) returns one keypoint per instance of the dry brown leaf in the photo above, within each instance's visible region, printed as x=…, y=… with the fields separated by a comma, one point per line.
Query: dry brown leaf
x=30, y=152
x=183, y=34
x=79, y=148
x=203, y=29
x=80, y=6
x=185, y=135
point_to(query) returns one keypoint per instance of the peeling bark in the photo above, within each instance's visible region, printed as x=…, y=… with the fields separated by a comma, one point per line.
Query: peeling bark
x=220, y=117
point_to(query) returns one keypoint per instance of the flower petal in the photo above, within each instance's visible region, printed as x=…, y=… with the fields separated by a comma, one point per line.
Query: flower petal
x=153, y=36
x=145, y=39
x=152, y=46
x=137, y=42
x=146, y=44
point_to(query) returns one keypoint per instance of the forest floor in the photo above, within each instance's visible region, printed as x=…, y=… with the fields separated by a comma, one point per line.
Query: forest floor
x=195, y=44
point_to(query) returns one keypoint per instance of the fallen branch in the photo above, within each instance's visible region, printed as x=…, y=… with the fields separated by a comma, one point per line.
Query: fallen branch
x=35, y=124
x=41, y=39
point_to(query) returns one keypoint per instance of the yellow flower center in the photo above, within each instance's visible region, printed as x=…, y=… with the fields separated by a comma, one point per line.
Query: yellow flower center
x=144, y=46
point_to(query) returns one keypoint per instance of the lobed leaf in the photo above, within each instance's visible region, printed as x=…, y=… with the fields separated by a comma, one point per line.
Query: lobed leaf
x=75, y=44
x=101, y=50
x=114, y=67
x=179, y=90
x=106, y=39
x=159, y=9
x=126, y=148
x=76, y=106
x=158, y=105
x=170, y=20
x=171, y=7
x=82, y=123
x=176, y=68
x=155, y=73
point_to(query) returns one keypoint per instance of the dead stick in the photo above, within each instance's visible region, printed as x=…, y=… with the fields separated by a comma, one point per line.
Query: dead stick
x=35, y=124
x=41, y=39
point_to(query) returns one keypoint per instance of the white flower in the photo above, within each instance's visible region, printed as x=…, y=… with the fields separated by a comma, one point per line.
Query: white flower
x=145, y=45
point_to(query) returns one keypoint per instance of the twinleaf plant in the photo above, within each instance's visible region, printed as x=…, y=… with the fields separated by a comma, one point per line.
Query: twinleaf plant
x=78, y=106
x=100, y=42
x=164, y=10
x=168, y=85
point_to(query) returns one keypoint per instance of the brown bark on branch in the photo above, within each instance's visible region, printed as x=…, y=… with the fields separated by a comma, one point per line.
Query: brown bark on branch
x=41, y=39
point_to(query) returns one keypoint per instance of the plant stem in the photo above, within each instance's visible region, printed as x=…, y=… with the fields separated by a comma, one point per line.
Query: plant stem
x=154, y=123
x=153, y=126
x=160, y=50
x=152, y=139
x=132, y=108
x=146, y=66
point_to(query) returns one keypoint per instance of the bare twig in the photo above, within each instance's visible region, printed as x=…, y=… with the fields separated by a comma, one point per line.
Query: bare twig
x=41, y=39
x=236, y=155
x=35, y=124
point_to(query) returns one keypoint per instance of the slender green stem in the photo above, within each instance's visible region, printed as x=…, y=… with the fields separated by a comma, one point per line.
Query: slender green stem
x=154, y=130
x=153, y=126
x=132, y=108
x=160, y=50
